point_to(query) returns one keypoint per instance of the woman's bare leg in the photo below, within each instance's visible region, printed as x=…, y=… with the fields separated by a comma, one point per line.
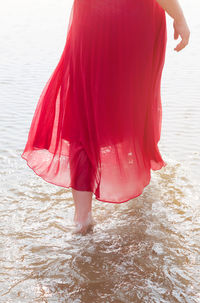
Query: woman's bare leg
x=83, y=174
x=83, y=209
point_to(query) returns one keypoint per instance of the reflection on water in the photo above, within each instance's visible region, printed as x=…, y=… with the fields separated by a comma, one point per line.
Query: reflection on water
x=146, y=250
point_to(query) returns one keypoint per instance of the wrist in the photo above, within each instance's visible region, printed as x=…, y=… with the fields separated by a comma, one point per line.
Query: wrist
x=179, y=18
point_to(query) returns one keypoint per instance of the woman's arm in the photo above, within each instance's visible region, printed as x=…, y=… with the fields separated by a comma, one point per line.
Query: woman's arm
x=174, y=10
x=172, y=7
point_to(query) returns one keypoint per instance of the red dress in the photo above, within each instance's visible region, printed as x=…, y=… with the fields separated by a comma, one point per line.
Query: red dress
x=98, y=120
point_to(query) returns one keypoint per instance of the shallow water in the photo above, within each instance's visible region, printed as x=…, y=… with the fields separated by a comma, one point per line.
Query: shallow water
x=144, y=250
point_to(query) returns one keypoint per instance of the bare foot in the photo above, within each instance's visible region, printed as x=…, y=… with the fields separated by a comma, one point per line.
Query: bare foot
x=84, y=227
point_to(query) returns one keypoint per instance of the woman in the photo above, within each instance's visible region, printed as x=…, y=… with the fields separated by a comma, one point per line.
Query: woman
x=98, y=121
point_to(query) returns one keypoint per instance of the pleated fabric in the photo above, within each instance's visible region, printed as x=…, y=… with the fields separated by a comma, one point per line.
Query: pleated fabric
x=98, y=120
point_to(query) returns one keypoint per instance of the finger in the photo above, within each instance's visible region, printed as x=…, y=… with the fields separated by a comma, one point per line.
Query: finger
x=176, y=34
x=181, y=45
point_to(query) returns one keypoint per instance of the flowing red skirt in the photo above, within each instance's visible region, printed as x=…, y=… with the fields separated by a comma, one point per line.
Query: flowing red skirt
x=98, y=120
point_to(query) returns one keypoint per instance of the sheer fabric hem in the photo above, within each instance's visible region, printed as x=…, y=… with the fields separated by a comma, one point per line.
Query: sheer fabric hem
x=158, y=166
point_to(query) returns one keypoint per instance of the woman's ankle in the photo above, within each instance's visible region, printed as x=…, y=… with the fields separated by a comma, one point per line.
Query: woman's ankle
x=83, y=218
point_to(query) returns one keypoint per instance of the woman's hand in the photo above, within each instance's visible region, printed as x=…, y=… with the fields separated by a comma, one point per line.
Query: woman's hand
x=181, y=28
x=174, y=10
